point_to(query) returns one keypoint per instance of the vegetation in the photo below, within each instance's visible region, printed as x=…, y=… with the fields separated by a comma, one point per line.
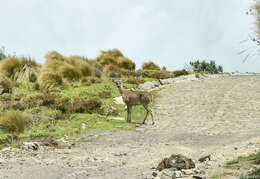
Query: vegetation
x=66, y=92
x=13, y=121
x=206, y=67
x=150, y=66
x=241, y=165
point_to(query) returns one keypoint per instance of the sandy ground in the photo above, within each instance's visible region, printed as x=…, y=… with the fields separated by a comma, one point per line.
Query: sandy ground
x=214, y=116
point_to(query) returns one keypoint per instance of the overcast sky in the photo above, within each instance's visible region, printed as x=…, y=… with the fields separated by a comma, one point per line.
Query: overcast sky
x=168, y=32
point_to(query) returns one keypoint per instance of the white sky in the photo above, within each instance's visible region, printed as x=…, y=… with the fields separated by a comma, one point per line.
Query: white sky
x=168, y=32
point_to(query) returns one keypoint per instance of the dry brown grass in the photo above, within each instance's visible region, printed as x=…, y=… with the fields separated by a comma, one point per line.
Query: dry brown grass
x=13, y=121
x=6, y=84
x=10, y=66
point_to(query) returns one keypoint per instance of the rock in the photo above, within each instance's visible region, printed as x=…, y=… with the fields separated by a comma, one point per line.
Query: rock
x=7, y=149
x=177, y=174
x=197, y=177
x=188, y=172
x=149, y=85
x=47, y=141
x=118, y=118
x=83, y=126
x=154, y=174
x=119, y=100
x=176, y=161
x=203, y=159
x=30, y=146
x=112, y=111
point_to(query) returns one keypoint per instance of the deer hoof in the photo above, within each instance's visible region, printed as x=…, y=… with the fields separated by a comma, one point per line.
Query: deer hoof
x=144, y=123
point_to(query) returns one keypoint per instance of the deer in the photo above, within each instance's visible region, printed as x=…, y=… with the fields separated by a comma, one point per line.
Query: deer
x=135, y=97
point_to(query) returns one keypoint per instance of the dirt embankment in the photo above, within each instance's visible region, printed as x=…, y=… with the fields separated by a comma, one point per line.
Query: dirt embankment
x=216, y=116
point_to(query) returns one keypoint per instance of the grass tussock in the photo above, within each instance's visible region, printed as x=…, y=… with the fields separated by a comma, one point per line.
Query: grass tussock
x=6, y=84
x=10, y=66
x=13, y=121
x=116, y=59
x=150, y=66
x=49, y=80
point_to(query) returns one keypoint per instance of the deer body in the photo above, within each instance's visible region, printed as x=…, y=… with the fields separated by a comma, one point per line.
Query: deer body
x=136, y=97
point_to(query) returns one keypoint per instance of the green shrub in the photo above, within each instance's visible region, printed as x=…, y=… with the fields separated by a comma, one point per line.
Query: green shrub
x=49, y=80
x=10, y=66
x=6, y=84
x=13, y=121
x=150, y=66
x=180, y=73
x=206, y=67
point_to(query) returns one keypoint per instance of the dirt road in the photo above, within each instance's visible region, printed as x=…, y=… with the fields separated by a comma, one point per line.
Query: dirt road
x=214, y=116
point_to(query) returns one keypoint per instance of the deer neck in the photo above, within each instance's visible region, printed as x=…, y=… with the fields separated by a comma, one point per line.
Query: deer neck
x=120, y=90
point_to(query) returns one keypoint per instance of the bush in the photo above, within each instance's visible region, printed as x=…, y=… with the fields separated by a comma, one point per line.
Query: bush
x=29, y=62
x=13, y=121
x=6, y=85
x=133, y=80
x=154, y=74
x=90, y=80
x=70, y=73
x=206, y=67
x=89, y=106
x=180, y=73
x=53, y=55
x=33, y=100
x=126, y=64
x=49, y=80
x=150, y=66
x=10, y=66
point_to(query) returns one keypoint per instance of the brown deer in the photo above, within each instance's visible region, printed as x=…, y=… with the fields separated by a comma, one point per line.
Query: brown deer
x=135, y=97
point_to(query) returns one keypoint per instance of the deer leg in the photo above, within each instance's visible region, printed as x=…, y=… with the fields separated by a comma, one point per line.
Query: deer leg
x=129, y=109
x=148, y=110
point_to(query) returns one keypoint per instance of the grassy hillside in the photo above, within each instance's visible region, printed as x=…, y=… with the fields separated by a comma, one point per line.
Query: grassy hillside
x=67, y=95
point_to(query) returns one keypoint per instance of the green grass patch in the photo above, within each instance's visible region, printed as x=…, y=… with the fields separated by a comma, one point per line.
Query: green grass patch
x=52, y=121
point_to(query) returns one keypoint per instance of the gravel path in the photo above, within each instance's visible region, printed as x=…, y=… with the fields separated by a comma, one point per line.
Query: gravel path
x=215, y=116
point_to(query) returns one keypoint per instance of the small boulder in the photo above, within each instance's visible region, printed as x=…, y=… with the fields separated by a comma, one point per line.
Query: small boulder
x=176, y=161
x=30, y=146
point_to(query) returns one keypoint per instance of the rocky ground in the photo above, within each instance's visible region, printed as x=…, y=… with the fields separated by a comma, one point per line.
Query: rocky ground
x=218, y=116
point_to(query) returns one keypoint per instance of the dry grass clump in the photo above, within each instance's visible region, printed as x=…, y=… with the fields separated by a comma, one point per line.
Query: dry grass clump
x=70, y=73
x=29, y=62
x=6, y=84
x=10, y=66
x=20, y=69
x=116, y=59
x=49, y=80
x=125, y=63
x=54, y=55
x=150, y=66
x=155, y=74
x=70, y=69
x=13, y=121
